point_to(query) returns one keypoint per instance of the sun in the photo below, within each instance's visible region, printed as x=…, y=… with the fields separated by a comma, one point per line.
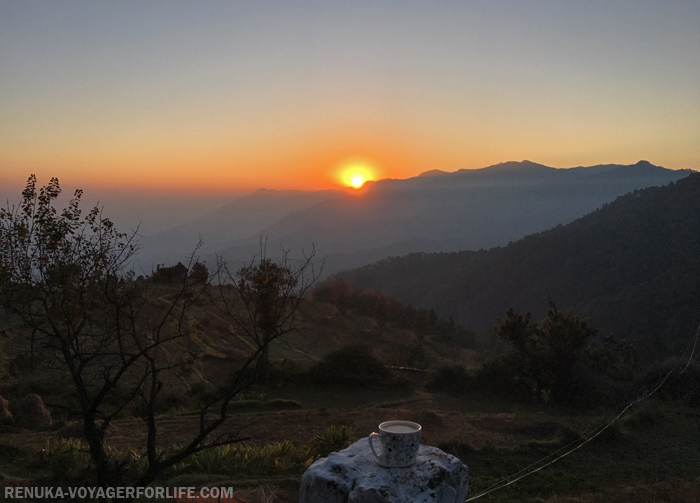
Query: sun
x=355, y=172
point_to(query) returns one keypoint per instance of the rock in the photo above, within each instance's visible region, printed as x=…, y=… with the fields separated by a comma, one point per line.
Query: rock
x=31, y=412
x=353, y=476
x=5, y=414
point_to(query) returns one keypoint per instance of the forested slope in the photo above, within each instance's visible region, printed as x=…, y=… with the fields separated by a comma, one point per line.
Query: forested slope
x=632, y=267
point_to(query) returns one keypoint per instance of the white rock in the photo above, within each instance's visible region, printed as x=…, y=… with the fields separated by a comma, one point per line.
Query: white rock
x=353, y=476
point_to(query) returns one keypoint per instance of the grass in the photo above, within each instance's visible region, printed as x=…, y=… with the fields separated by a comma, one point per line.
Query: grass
x=333, y=440
x=281, y=458
x=639, y=455
x=650, y=455
x=67, y=461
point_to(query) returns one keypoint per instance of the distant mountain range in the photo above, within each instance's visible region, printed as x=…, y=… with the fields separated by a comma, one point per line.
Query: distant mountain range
x=436, y=211
x=632, y=267
x=246, y=217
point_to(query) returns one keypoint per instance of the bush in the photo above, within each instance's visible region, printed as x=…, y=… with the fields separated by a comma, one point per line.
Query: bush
x=503, y=377
x=685, y=386
x=647, y=415
x=285, y=372
x=352, y=366
x=333, y=440
x=66, y=459
x=508, y=377
x=556, y=360
x=453, y=379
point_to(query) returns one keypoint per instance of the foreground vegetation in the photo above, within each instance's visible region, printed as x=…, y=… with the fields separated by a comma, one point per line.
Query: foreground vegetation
x=649, y=455
x=68, y=291
x=311, y=406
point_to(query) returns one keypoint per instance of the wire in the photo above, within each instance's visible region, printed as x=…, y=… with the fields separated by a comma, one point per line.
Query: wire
x=692, y=353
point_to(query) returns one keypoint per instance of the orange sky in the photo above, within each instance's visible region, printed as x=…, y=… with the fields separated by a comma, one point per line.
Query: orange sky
x=316, y=160
x=235, y=96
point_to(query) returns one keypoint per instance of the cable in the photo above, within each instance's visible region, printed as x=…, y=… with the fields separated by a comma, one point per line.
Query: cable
x=692, y=353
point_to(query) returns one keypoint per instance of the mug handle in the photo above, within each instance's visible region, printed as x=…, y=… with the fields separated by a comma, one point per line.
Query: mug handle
x=371, y=445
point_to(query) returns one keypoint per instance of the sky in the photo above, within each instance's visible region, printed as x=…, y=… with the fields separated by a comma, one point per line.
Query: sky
x=223, y=97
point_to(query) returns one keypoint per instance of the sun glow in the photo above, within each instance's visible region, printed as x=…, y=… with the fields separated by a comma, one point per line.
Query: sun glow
x=354, y=173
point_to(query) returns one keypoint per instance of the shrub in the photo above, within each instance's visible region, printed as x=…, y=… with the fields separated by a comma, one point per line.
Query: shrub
x=503, y=377
x=352, y=366
x=333, y=440
x=66, y=459
x=285, y=372
x=453, y=379
x=646, y=416
x=556, y=360
x=679, y=386
x=201, y=388
x=171, y=401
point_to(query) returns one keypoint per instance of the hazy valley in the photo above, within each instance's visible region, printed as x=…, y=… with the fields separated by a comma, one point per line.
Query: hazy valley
x=437, y=211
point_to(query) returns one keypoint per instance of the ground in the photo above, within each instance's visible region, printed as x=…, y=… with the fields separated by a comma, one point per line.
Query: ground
x=649, y=456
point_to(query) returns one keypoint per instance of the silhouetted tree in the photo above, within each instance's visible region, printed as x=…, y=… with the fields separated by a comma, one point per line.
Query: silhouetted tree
x=199, y=273
x=67, y=278
x=557, y=357
x=170, y=275
x=59, y=275
x=262, y=300
x=385, y=309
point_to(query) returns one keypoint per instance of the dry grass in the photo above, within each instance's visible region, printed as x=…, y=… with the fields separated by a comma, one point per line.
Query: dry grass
x=670, y=490
x=264, y=494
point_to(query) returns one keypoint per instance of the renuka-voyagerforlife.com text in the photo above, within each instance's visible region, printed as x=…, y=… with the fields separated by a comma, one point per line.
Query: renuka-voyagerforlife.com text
x=170, y=493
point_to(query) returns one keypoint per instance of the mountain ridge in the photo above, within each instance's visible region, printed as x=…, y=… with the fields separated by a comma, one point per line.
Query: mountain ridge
x=462, y=210
x=466, y=209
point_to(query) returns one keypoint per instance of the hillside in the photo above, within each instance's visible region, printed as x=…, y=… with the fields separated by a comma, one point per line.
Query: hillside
x=467, y=209
x=631, y=267
x=323, y=328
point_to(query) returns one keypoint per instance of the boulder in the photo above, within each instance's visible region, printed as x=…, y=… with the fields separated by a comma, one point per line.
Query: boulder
x=353, y=476
x=30, y=412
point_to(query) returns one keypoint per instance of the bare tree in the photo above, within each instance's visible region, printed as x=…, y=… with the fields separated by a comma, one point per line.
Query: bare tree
x=67, y=278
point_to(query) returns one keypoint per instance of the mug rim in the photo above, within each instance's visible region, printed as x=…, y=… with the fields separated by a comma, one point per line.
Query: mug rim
x=394, y=422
